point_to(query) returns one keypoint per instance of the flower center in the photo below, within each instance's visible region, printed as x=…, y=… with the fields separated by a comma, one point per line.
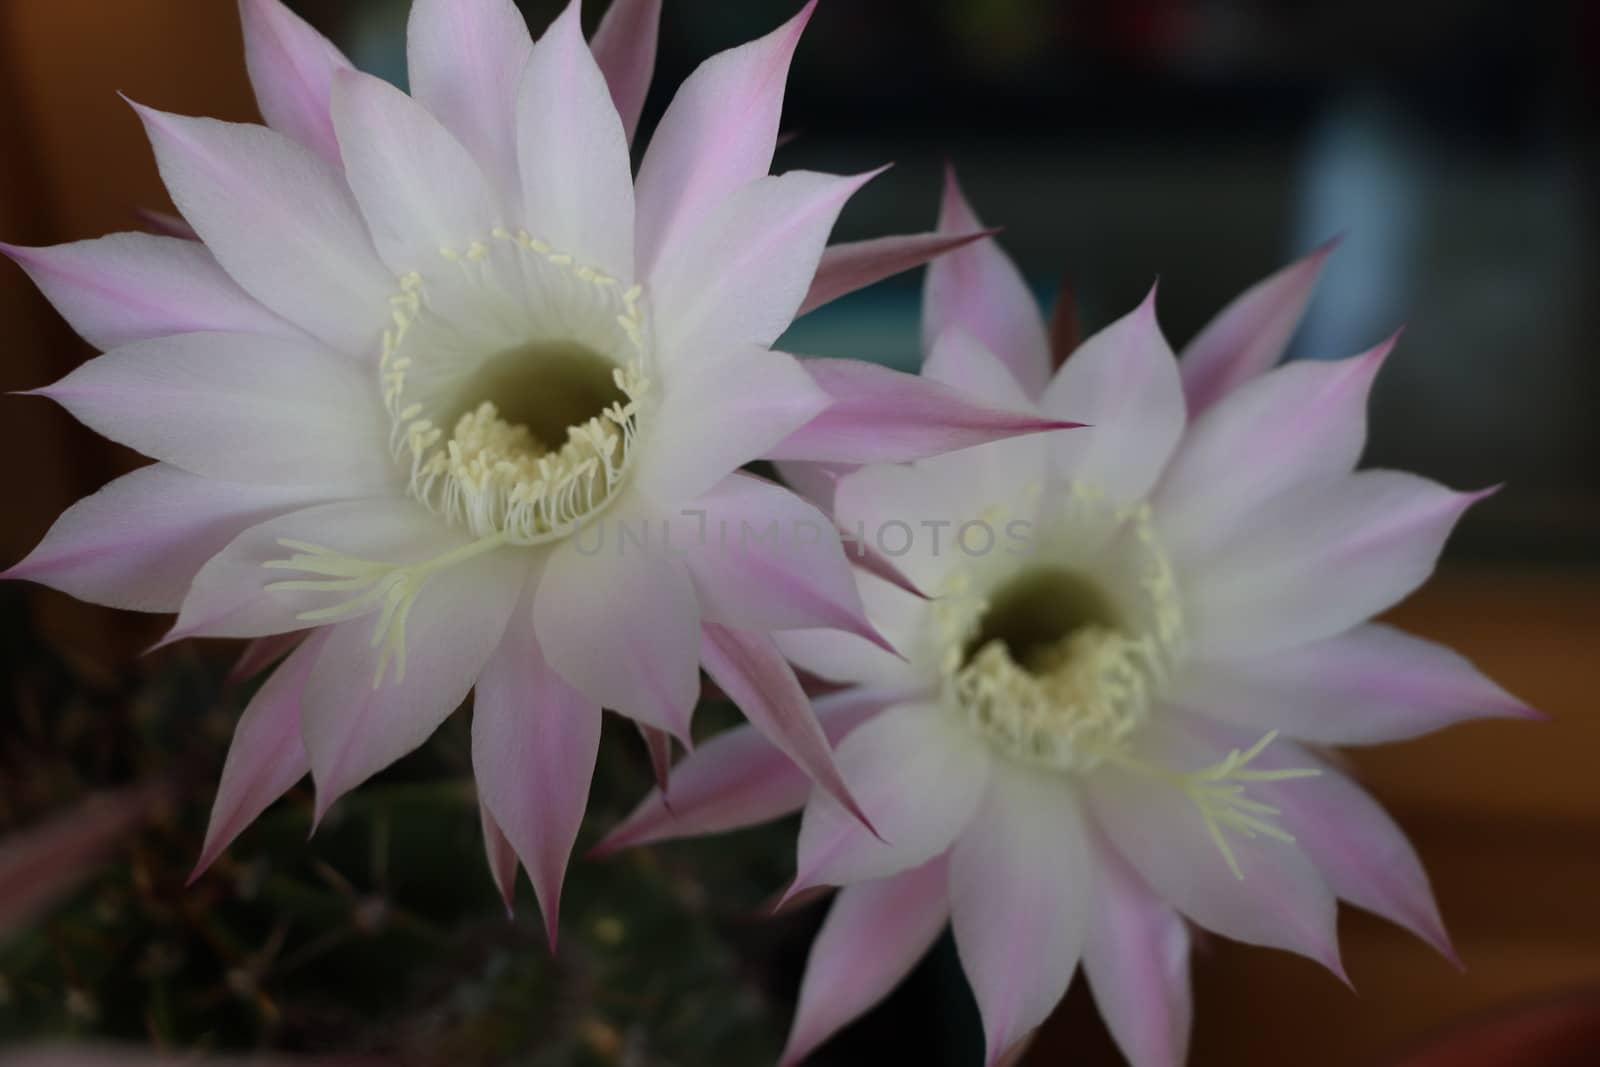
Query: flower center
x=515, y=386
x=1056, y=664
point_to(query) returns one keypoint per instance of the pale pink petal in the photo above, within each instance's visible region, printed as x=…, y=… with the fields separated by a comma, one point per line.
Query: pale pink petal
x=1136, y=957
x=262, y=653
x=230, y=596
x=266, y=757
x=280, y=220
x=1123, y=383
x=763, y=559
x=1299, y=423
x=1315, y=561
x=917, y=774
x=846, y=268
x=749, y=668
x=624, y=46
x=1021, y=901
x=1278, y=899
x=960, y=360
x=620, y=623
x=292, y=68
x=134, y=287
x=1371, y=685
x=418, y=189
x=838, y=656
x=755, y=398
x=740, y=277
x=467, y=58
x=739, y=778
x=501, y=856
x=1249, y=335
x=878, y=415
x=238, y=407
x=980, y=289
x=363, y=710
x=577, y=181
x=717, y=135
x=874, y=934
x=138, y=543
x=814, y=481
x=534, y=742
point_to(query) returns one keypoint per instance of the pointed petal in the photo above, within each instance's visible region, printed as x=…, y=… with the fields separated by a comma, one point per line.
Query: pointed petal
x=1136, y=957
x=874, y=934
x=1371, y=685
x=846, y=268
x=917, y=775
x=739, y=778
x=850, y=658
x=980, y=289
x=467, y=58
x=262, y=653
x=760, y=397
x=534, y=742
x=814, y=481
x=750, y=669
x=501, y=857
x=883, y=416
x=740, y=276
x=134, y=287
x=1250, y=335
x=292, y=68
x=1316, y=561
x=1280, y=901
x=624, y=46
x=577, y=181
x=310, y=418
x=280, y=221
x=418, y=189
x=1299, y=423
x=138, y=543
x=621, y=625
x=358, y=718
x=1021, y=885
x=1123, y=382
x=717, y=135
x=958, y=359
x=763, y=559
x=266, y=757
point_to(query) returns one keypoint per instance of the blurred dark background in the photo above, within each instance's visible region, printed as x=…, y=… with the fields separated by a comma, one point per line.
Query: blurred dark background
x=1452, y=144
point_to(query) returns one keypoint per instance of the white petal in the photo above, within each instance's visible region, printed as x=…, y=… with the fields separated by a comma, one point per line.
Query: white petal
x=847, y=657
x=292, y=68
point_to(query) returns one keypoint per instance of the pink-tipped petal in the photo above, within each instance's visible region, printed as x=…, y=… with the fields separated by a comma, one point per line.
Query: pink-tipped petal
x=534, y=742
x=1299, y=423
x=1317, y=560
x=292, y=68
x=980, y=289
x=751, y=670
x=501, y=856
x=310, y=418
x=875, y=562
x=624, y=46
x=1021, y=902
x=848, y=658
x=874, y=934
x=917, y=775
x=362, y=710
x=1249, y=336
x=846, y=268
x=1372, y=685
x=739, y=778
x=266, y=757
x=717, y=135
x=1123, y=382
x=466, y=59
x=262, y=653
x=577, y=181
x=620, y=623
x=740, y=277
x=132, y=287
x=164, y=224
x=878, y=415
x=280, y=220
x=138, y=543
x=1136, y=957
x=418, y=189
